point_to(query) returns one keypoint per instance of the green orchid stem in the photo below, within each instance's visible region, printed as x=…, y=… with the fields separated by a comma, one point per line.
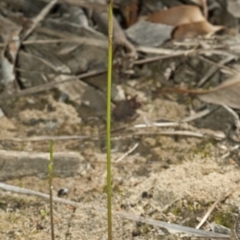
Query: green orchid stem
x=109, y=90
x=50, y=172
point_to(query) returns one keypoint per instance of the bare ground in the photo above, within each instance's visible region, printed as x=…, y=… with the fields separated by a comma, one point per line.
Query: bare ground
x=169, y=178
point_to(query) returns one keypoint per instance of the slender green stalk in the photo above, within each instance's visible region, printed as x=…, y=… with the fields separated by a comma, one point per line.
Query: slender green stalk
x=109, y=89
x=50, y=178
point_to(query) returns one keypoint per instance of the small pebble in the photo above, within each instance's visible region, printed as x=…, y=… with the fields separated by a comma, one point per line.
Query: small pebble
x=62, y=192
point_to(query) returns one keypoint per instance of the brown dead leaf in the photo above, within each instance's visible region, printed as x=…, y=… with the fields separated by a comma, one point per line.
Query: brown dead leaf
x=195, y=29
x=189, y=21
x=177, y=16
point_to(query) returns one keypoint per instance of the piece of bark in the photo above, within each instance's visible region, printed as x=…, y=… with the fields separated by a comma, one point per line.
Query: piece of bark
x=16, y=164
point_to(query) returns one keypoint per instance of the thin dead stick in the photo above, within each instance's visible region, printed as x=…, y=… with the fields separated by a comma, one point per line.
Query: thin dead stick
x=220, y=65
x=185, y=53
x=167, y=206
x=65, y=37
x=178, y=133
x=131, y=164
x=220, y=199
x=158, y=51
x=39, y=18
x=29, y=192
x=51, y=85
x=234, y=148
x=214, y=69
x=72, y=37
x=156, y=124
x=174, y=228
x=217, y=136
x=80, y=40
x=198, y=115
x=234, y=115
x=181, y=122
x=193, y=51
x=127, y=153
x=46, y=138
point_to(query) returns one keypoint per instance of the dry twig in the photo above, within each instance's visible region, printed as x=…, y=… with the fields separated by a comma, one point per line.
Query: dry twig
x=210, y=210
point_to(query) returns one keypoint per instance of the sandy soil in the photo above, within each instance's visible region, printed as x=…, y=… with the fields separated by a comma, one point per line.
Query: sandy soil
x=169, y=178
